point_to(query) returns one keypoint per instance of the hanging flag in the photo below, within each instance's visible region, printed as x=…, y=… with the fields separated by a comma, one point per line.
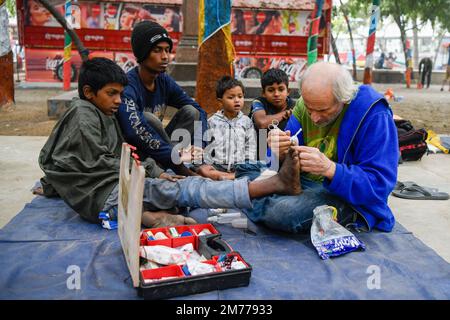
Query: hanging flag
x=375, y=16
x=314, y=32
x=67, y=68
x=216, y=51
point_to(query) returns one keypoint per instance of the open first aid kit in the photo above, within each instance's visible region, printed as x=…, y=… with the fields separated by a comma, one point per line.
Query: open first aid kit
x=172, y=261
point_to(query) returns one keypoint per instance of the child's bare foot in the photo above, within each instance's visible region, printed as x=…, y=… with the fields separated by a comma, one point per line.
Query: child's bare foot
x=160, y=219
x=38, y=191
x=288, y=178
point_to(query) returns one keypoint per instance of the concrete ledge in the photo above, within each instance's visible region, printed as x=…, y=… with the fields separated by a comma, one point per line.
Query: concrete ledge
x=57, y=105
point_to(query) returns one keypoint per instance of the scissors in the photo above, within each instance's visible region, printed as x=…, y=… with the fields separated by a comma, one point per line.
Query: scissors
x=274, y=125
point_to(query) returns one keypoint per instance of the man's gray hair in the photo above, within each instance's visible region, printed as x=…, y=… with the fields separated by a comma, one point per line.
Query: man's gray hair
x=340, y=78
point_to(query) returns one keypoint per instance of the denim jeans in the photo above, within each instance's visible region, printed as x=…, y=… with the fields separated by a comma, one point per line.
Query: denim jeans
x=292, y=213
x=197, y=192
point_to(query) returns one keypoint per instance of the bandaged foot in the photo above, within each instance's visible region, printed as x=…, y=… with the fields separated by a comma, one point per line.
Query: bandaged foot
x=160, y=219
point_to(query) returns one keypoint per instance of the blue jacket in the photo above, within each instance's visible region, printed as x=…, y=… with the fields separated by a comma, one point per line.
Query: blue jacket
x=367, y=146
x=136, y=99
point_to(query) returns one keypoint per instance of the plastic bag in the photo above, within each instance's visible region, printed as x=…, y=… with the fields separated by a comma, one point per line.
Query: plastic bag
x=330, y=238
x=164, y=255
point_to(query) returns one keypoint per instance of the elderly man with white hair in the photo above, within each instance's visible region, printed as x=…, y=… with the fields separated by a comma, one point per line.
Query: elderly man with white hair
x=348, y=151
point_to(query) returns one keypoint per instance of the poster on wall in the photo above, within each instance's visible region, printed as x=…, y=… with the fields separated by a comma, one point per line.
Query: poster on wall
x=105, y=15
x=36, y=15
x=272, y=22
x=254, y=67
x=46, y=65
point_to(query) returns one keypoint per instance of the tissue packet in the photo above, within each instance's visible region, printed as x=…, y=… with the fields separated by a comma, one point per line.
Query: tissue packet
x=330, y=238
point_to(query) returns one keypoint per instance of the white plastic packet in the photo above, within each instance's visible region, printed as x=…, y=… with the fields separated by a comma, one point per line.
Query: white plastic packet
x=164, y=255
x=330, y=238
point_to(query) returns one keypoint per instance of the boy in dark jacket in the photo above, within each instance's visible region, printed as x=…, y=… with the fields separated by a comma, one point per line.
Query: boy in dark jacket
x=81, y=161
x=149, y=92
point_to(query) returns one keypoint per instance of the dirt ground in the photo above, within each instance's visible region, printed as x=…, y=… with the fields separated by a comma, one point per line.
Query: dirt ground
x=29, y=115
x=427, y=108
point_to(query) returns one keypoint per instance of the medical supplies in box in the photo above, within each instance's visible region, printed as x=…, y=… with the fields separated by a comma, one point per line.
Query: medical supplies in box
x=188, y=259
x=171, y=261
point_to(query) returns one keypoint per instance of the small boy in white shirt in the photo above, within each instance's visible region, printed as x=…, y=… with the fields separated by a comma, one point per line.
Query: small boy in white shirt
x=232, y=135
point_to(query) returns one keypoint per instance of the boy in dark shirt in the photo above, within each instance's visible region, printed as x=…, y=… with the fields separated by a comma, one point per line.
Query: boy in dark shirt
x=148, y=93
x=275, y=103
x=81, y=161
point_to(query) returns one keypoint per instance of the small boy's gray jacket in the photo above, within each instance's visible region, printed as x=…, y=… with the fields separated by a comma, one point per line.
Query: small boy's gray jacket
x=232, y=140
x=81, y=159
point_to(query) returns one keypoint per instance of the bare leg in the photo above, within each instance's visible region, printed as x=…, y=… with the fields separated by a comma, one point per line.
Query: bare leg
x=287, y=181
x=157, y=219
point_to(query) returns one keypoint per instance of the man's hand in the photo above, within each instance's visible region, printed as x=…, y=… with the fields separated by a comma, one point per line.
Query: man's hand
x=170, y=177
x=315, y=162
x=279, y=142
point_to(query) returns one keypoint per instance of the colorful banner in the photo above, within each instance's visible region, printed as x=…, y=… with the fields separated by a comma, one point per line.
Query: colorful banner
x=375, y=16
x=46, y=65
x=215, y=16
x=314, y=32
x=67, y=46
x=216, y=51
x=105, y=15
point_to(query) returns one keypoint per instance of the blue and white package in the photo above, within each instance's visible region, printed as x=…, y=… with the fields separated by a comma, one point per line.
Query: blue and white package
x=330, y=238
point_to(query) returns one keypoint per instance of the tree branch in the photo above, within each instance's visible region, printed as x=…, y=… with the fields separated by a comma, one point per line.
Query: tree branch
x=84, y=53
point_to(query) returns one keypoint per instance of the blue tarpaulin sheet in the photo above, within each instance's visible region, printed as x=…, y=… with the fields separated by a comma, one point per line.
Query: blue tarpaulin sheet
x=42, y=245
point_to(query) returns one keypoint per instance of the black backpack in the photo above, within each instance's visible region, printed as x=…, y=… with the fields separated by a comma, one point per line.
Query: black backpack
x=411, y=141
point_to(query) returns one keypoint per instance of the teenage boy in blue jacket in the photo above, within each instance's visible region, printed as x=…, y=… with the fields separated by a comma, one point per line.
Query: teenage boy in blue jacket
x=348, y=150
x=148, y=93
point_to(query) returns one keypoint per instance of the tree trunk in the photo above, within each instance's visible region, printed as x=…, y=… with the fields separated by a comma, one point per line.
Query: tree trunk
x=6, y=62
x=84, y=53
x=440, y=37
x=335, y=49
x=416, y=43
x=402, y=26
x=352, y=44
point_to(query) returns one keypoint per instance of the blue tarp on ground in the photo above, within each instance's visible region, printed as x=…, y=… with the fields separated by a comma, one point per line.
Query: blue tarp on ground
x=39, y=245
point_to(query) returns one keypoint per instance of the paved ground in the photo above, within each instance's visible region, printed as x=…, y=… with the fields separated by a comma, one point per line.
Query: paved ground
x=428, y=220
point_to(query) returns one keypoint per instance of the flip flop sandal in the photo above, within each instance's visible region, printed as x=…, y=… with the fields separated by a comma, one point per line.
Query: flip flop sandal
x=416, y=192
x=401, y=185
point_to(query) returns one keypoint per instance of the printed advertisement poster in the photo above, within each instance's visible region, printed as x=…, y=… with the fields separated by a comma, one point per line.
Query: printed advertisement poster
x=37, y=15
x=46, y=65
x=253, y=68
x=272, y=22
x=105, y=15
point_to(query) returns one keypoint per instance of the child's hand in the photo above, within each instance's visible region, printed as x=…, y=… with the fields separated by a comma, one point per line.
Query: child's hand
x=170, y=177
x=287, y=114
x=191, y=154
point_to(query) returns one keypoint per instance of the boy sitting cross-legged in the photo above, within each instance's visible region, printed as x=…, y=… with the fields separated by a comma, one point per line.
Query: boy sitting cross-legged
x=81, y=161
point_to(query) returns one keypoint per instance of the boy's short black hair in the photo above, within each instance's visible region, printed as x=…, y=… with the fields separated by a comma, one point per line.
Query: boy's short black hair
x=226, y=83
x=97, y=73
x=272, y=76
